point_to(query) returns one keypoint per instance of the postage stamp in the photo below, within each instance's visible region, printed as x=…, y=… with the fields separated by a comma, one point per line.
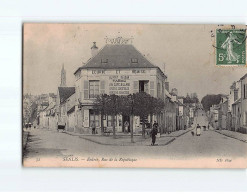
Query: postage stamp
x=231, y=47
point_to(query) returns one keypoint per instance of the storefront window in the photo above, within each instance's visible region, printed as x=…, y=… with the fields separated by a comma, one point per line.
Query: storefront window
x=109, y=121
x=94, y=116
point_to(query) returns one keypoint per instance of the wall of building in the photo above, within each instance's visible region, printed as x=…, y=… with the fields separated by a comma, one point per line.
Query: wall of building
x=243, y=121
x=115, y=81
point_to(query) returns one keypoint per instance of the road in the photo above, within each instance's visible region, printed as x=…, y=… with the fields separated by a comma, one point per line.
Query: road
x=209, y=144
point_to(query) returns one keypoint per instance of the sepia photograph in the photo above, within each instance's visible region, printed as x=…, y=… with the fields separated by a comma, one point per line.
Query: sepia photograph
x=134, y=95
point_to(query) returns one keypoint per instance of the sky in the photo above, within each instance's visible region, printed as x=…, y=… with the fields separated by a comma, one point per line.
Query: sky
x=186, y=51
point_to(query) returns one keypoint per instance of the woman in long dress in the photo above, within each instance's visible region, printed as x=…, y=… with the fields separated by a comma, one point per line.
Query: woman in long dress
x=228, y=45
x=198, y=130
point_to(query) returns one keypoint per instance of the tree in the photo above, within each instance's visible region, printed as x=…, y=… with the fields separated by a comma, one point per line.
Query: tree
x=100, y=105
x=209, y=100
x=138, y=104
x=126, y=106
x=112, y=108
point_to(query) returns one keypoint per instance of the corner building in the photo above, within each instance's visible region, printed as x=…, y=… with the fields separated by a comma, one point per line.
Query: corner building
x=115, y=69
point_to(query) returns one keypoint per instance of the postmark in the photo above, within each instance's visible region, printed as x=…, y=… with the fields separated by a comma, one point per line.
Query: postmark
x=230, y=47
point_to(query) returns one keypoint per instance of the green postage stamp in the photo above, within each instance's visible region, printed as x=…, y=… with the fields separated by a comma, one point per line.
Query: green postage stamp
x=231, y=47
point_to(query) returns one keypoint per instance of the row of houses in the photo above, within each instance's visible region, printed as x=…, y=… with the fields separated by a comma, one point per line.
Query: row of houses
x=231, y=112
x=121, y=70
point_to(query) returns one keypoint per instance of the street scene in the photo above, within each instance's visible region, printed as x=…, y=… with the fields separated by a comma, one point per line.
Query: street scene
x=210, y=144
x=122, y=95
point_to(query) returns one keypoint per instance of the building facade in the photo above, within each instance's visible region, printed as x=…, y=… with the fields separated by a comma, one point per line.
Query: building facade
x=65, y=107
x=120, y=70
x=243, y=119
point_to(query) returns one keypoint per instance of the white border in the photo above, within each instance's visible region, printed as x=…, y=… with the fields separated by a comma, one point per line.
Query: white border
x=13, y=13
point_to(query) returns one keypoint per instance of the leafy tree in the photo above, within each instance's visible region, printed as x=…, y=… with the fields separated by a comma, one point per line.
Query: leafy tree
x=189, y=100
x=209, y=100
x=100, y=105
x=112, y=108
x=144, y=105
x=138, y=104
x=126, y=107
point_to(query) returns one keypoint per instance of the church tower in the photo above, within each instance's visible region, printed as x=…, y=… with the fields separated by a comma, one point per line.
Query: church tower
x=63, y=77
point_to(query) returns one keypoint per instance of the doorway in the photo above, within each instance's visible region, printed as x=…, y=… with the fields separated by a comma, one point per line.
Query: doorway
x=126, y=118
x=143, y=86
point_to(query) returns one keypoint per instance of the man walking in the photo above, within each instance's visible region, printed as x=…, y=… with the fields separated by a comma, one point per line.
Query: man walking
x=154, y=132
x=93, y=127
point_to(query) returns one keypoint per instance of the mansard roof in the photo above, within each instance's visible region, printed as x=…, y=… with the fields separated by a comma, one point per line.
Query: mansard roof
x=118, y=56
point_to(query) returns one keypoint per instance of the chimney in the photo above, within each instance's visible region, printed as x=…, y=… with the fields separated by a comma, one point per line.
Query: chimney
x=174, y=91
x=94, y=49
x=167, y=86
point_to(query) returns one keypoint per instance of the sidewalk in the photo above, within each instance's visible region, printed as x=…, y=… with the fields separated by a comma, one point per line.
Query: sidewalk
x=235, y=135
x=125, y=140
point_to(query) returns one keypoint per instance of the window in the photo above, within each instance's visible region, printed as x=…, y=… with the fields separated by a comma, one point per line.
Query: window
x=94, y=116
x=78, y=75
x=104, y=61
x=245, y=91
x=143, y=86
x=158, y=90
x=134, y=60
x=235, y=95
x=109, y=121
x=245, y=119
x=93, y=89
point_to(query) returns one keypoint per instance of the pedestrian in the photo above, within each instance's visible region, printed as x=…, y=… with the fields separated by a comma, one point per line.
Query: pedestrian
x=93, y=127
x=154, y=133
x=155, y=125
x=126, y=126
x=198, y=130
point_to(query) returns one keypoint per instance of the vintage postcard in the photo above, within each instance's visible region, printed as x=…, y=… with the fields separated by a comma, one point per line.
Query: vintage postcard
x=134, y=95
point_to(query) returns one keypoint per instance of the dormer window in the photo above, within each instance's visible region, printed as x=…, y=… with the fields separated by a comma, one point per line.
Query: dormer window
x=134, y=60
x=104, y=61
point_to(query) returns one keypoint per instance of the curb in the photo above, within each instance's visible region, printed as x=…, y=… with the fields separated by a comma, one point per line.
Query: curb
x=100, y=143
x=180, y=134
x=172, y=140
x=245, y=141
x=130, y=144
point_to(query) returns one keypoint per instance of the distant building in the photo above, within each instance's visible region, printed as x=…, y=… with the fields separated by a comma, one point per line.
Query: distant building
x=65, y=102
x=214, y=116
x=223, y=110
x=236, y=107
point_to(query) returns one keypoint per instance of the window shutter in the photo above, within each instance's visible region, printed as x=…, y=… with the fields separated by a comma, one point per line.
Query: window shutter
x=102, y=87
x=136, y=87
x=146, y=87
x=152, y=88
x=86, y=95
